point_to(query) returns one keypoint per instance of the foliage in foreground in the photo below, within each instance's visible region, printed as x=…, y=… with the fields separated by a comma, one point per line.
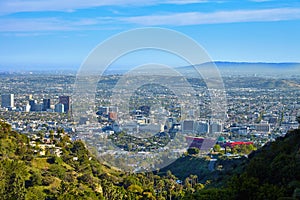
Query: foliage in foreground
x=269, y=173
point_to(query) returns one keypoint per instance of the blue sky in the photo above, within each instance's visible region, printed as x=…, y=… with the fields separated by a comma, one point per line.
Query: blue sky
x=59, y=34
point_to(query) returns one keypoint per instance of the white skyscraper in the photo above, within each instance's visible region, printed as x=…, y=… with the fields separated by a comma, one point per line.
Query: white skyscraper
x=7, y=100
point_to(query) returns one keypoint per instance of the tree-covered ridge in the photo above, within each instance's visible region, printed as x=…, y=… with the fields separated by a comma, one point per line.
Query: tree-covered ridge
x=269, y=173
x=272, y=172
x=74, y=174
x=26, y=175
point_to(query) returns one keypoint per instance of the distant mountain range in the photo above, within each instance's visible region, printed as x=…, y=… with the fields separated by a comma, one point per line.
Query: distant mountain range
x=265, y=64
x=249, y=68
x=225, y=68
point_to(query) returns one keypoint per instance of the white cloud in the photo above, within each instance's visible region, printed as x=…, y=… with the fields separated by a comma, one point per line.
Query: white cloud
x=45, y=24
x=194, y=18
x=185, y=1
x=53, y=24
x=15, y=6
x=173, y=19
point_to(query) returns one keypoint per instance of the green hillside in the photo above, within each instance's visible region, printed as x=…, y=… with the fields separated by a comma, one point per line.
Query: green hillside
x=27, y=175
x=272, y=172
x=216, y=174
x=31, y=172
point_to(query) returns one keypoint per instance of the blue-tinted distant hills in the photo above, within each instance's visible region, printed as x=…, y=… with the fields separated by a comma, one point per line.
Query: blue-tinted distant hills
x=224, y=64
x=286, y=69
x=266, y=64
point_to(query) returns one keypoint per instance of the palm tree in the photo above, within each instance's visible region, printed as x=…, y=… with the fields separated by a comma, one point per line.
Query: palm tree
x=194, y=179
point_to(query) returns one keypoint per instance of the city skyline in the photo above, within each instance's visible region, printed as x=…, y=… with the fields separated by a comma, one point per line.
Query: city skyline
x=60, y=35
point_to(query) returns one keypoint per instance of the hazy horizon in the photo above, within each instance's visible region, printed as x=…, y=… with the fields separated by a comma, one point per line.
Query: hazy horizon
x=58, y=35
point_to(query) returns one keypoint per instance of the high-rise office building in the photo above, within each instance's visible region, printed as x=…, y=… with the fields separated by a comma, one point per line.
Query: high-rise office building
x=215, y=128
x=32, y=104
x=188, y=126
x=203, y=127
x=7, y=100
x=66, y=101
x=38, y=107
x=59, y=108
x=46, y=104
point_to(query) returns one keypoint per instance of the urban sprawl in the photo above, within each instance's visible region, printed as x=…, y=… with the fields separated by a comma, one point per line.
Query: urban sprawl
x=259, y=109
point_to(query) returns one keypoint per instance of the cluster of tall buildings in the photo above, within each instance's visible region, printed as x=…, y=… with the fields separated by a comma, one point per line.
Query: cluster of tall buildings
x=63, y=105
x=108, y=111
x=201, y=127
x=34, y=106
